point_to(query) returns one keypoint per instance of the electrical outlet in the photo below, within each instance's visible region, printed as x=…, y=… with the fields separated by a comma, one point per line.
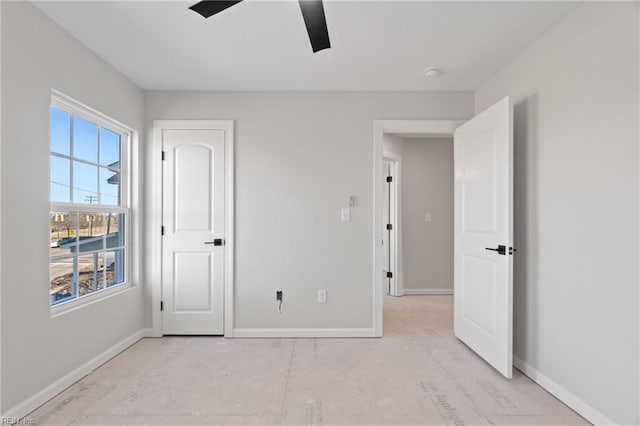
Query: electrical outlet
x=279, y=295
x=322, y=296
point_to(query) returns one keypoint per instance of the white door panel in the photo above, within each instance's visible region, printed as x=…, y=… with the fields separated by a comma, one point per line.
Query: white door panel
x=193, y=216
x=386, y=241
x=480, y=286
x=479, y=182
x=193, y=273
x=483, y=311
x=192, y=188
x=390, y=239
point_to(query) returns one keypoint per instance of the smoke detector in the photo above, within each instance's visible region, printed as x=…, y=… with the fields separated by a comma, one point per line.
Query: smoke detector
x=431, y=72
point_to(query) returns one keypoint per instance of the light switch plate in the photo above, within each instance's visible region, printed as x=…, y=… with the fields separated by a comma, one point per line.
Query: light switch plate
x=427, y=217
x=346, y=215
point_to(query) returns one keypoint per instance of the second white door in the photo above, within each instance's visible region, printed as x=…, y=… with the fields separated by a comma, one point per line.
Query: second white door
x=391, y=269
x=483, y=259
x=193, y=248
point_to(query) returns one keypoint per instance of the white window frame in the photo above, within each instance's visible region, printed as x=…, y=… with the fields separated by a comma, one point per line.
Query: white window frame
x=77, y=109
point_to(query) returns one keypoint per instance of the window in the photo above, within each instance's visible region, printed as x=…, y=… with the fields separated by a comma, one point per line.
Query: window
x=89, y=207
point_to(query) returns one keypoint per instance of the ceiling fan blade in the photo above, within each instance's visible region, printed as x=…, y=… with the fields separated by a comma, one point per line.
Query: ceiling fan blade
x=211, y=7
x=314, y=19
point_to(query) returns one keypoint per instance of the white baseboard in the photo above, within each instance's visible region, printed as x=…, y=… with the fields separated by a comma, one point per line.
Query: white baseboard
x=24, y=408
x=427, y=291
x=575, y=403
x=303, y=332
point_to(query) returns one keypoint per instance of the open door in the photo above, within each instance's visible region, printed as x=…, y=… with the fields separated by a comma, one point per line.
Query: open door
x=483, y=232
x=387, y=268
x=391, y=268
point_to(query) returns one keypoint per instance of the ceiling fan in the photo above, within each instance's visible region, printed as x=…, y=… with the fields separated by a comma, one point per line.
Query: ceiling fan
x=312, y=13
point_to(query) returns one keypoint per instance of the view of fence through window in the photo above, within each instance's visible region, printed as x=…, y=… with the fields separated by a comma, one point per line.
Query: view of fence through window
x=87, y=216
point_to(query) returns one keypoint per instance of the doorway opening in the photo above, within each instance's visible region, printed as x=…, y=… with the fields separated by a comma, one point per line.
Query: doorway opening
x=401, y=210
x=418, y=201
x=418, y=215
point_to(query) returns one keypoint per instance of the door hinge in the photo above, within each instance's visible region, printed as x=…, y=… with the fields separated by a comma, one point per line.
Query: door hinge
x=389, y=178
x=389, y=274
x=389, y=227
x=162, y=155
x=161, y=305
x=162, y=230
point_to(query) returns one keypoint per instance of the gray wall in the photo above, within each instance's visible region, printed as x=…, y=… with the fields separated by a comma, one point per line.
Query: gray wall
x=37, y=350
x=299, y=156
x=427, y=187
x=576, y=204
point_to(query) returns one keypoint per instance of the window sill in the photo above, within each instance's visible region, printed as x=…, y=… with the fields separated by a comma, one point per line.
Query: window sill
x=75, y=304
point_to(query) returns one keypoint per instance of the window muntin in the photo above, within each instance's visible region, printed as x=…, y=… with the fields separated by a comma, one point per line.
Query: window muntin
x=89, y=207
x=85, y=161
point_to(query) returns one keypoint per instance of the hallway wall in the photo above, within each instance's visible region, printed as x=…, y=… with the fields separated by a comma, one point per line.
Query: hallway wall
x=427, y=188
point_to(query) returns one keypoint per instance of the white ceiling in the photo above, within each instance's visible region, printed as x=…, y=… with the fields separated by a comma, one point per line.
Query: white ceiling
x=263, y=45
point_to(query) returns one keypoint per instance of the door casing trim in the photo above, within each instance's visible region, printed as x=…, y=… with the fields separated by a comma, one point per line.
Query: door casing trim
x=428, y=128
x=155, y=213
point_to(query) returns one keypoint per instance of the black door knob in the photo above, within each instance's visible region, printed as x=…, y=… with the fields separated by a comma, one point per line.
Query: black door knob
x=501, y=249
x=216, y=242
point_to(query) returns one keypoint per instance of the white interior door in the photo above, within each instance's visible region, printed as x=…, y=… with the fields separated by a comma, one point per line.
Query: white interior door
x=194, y=224
x=386, y=215
x=391, y=268
x=483, y=232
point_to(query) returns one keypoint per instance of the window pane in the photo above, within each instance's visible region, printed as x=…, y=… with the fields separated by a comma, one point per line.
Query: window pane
x=85, y=140
x=115, y=267
x=63, y=234
x=63, y=286
x=109, y=187
x=115, y=230
x=90, y=273
x=109, y=148
x=60, y=131
x=91, y=231
x=99, y=224
x=60, y=179
x=85, y=183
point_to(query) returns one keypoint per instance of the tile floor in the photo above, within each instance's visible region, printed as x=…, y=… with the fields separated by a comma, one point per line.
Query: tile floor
x=417, y=374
